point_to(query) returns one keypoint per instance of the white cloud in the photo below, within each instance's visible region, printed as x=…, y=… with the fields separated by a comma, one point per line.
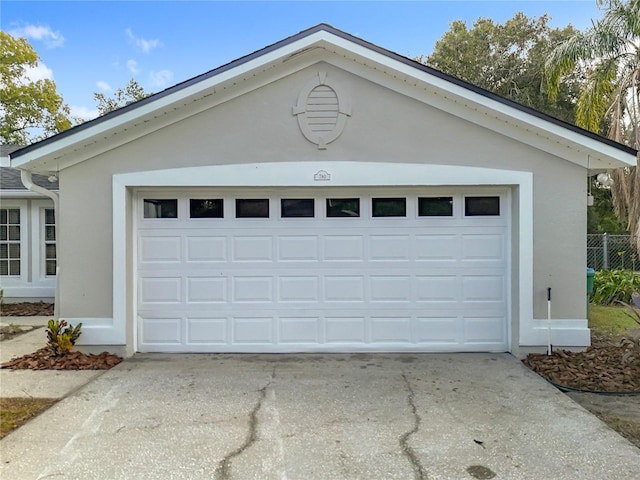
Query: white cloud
x=39, y=72
x=143, y=44
x=160, y=79
x=132, y=66
x=83, y=112
x=51, y=39
x=104, y=86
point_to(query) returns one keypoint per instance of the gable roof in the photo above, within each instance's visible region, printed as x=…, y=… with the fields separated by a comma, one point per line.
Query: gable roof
x=523, y=123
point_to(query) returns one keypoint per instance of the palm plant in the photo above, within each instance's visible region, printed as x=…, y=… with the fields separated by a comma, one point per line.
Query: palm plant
x=609, y=100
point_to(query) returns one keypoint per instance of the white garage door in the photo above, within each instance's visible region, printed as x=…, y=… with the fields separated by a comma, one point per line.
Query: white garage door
x=308, y=270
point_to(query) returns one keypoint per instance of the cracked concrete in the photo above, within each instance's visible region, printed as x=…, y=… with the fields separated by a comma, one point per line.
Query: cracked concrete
x=204, y=417
x=223, y=472
x=418, y=470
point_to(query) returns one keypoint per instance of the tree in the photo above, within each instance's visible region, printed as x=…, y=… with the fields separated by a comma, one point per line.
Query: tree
x=601, y=217
x=132, y=92
x=30, y=109
x=610, y=95
x=508, y=59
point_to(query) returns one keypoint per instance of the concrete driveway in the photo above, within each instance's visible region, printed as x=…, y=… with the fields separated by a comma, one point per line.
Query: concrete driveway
x=422, y=416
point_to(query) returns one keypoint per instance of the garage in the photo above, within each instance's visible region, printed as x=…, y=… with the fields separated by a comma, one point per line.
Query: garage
x=323, y=194
x=322, y=269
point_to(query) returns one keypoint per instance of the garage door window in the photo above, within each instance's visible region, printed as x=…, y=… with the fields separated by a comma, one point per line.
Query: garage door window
x=343, y=207
x=481, y=206
x=252, y=208
x=155, y=208
x=209, y=208
x=297, y=207
x=435, y=206
x=389, y=207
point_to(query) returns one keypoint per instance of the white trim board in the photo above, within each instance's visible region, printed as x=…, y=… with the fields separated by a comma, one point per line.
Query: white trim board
x=301, y=174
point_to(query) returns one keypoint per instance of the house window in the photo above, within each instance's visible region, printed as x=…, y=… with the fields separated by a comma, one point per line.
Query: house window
x=9, y=242
x=389, y=207
x=481, y=206
x=343, y=207
x=252, y=208
x=50, y=257
x=210, y=208
x=435, y=206
x=154, y=208
x=297, y=208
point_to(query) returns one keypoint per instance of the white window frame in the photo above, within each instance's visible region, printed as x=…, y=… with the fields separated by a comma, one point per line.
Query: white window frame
x=42, y=226
x=22, y=205
x=38, y=267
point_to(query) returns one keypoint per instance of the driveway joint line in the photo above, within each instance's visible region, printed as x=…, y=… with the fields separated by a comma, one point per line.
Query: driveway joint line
x=419, y=472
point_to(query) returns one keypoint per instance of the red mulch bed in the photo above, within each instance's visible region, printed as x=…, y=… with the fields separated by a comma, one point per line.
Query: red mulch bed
x=45, y=359
x=599, y=368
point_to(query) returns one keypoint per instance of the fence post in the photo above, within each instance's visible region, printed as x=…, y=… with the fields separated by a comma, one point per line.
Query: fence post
x=605, y=252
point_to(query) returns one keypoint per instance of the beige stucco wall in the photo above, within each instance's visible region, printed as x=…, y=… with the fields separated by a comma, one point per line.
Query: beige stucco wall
x=384, y=127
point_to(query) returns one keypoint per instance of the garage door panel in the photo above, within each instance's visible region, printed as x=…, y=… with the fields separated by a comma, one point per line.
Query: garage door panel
x=389, y=247
x=298, y=289
x=483, y=247
x=207, y=290
x=252, y=289
x=391, y=330
x=437, y=247
x=437, y=288
x=160, y=249
x=350, y=330
x=160, y=290
x=206, y=249
x=483, y=289
x=488, y=330
x=299, y=330
x=253, y=330
x=296, y=248
x=322, y=284
x=343, y=248
x=437, y=329
x=164, y=331
x=343, y=288
x=207, y=331
x=253, y=249
x=386, y=288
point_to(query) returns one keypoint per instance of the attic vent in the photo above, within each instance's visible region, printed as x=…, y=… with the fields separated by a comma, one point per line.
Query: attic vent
x=321, y=110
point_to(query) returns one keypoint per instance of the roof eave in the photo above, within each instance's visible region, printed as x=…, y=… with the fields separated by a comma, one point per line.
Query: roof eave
x=606, y=153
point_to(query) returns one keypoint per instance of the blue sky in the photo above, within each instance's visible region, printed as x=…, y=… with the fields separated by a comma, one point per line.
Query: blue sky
x=93, y=46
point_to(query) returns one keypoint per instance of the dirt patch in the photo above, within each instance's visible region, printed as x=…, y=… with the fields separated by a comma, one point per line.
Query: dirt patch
x=599, y=368
x=620, y=412
x=15, y=412
x=26, y=309
x=46, y=359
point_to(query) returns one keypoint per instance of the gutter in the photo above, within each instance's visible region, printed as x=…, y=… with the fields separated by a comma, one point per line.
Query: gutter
x=27, y=181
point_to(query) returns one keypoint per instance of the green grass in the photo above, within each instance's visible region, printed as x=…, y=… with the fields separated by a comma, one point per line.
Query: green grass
x=606, y=320
x=14, y=412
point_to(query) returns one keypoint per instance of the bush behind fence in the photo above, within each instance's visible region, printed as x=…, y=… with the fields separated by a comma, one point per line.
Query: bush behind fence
x=612, y=252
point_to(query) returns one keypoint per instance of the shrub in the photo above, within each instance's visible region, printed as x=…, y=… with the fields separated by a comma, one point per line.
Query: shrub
x=611, y=286
x=632, y=339
x=61, y=337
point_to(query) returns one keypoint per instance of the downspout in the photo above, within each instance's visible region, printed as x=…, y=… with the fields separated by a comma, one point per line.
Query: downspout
x=27, y=181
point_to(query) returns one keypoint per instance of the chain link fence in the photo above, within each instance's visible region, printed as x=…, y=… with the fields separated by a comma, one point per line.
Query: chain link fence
x=611, y=252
